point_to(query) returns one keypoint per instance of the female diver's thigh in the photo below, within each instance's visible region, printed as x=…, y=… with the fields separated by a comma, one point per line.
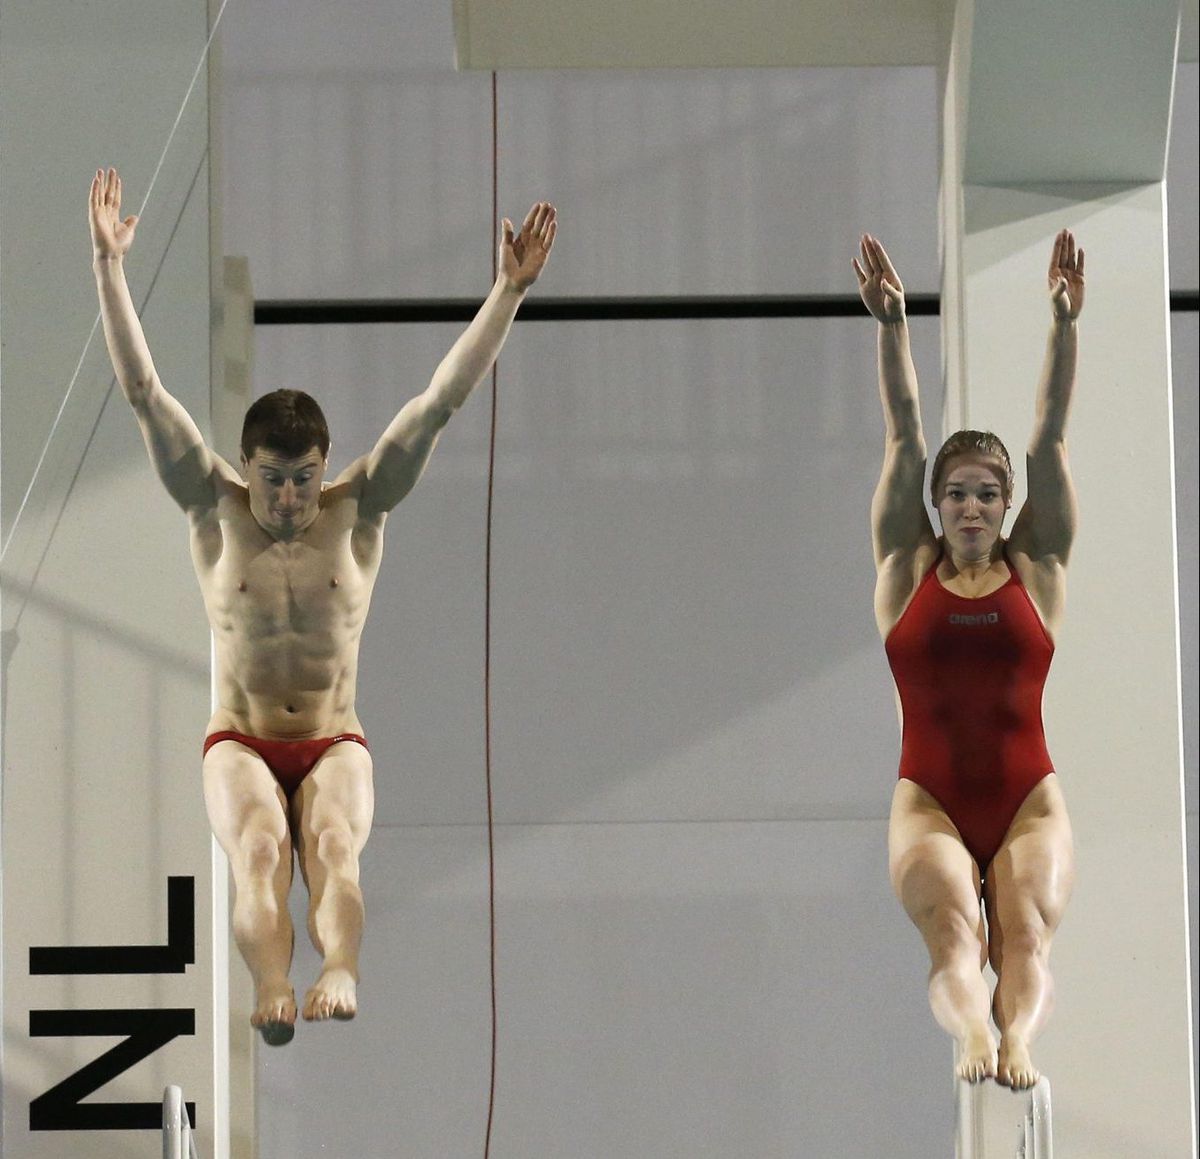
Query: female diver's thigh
x=1027, y=889
x=1030, y=879
x=927, y=859
x=937, y=882
x=929, y=865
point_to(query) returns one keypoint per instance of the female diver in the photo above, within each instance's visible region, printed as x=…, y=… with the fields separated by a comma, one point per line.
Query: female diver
x=968, y=620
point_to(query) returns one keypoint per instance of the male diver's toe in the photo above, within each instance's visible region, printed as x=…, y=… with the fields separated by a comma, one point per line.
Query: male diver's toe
x=277, y=1033
x=316, y=1007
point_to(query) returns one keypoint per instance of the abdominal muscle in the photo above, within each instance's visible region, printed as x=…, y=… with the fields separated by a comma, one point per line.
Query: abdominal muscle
x=286, y=648
x=282, y=689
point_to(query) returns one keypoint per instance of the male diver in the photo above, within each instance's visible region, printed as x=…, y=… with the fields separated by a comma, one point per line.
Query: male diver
x=286, y=562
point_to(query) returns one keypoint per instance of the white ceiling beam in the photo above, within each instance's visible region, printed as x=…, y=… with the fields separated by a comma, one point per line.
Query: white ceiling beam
x=560, y=34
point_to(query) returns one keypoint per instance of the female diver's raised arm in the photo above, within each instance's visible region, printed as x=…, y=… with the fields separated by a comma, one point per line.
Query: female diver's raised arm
x=899, y=522
x=1045, y=527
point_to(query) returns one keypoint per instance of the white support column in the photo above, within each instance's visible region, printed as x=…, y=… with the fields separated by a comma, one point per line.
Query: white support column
x=107, y=857
x=234, y=347
x=1056, y=115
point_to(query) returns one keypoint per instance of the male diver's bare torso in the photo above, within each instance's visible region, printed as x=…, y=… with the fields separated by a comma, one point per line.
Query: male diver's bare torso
x=287, y=614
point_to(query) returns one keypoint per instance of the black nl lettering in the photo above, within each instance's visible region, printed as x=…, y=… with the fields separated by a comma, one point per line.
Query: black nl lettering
x=60, y=1109
x=144, y=1031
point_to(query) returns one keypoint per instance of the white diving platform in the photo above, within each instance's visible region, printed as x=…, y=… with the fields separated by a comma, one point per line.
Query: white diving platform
x=993, y=1122
x=177, y=1129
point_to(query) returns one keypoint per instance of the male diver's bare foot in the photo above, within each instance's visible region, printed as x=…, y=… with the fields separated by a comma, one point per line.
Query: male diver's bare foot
x=275, y=1014
x=1016, y=1068
x=334, y=996
x=977, y=1056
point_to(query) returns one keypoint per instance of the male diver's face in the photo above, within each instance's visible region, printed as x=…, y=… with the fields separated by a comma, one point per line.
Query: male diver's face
x=285, y=493
x=972, y=504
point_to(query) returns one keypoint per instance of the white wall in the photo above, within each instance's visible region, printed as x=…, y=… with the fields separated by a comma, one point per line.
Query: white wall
x=694, y=730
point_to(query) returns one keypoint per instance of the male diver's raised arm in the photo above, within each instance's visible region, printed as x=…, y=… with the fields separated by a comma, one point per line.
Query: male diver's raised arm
x=177, y=450
x=398, y=459
x=899, y=522
x=1045, y=527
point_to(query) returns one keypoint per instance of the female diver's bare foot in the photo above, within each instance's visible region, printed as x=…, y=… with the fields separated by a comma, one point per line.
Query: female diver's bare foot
x=1016, y=1068
x=977, y=1056
x=334, y=996
x=275, y=1014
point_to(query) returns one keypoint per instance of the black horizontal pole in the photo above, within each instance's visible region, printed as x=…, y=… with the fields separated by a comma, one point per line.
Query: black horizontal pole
x=319, y=312
x=355, y=311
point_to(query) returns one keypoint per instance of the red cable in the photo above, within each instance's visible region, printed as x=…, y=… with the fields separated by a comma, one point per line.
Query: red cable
x=487, y=650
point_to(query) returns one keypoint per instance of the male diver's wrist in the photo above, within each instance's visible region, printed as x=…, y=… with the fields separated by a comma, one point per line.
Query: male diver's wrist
x=511, y=286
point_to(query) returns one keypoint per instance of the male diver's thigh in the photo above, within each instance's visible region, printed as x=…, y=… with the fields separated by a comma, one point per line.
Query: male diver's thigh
x=240, y=793
x=339, y=792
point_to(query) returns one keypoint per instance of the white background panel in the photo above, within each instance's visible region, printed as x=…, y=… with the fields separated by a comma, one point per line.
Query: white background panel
x=1185, y=363
x=683, y=581
x=359, y=161
x=1183, y=181
x=1185, y=370
x=47, y=62
x=359, y=165
x=707, y=182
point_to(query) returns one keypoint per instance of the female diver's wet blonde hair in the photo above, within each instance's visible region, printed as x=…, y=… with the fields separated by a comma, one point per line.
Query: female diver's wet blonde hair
x=972, y=443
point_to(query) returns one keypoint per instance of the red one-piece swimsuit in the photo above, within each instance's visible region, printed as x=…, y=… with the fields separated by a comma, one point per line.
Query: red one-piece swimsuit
x=970, y=673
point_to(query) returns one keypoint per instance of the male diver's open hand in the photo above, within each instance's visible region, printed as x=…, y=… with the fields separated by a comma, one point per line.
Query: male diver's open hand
x=878, y=283
x=1065, y=277
x=523, y=256
x=111, y=237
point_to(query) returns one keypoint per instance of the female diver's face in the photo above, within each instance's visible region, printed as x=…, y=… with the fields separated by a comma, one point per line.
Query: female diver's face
x=972, y=505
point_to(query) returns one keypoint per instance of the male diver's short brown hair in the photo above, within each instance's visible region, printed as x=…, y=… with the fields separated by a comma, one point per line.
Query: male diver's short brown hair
x=972, y=443
x=288, y=422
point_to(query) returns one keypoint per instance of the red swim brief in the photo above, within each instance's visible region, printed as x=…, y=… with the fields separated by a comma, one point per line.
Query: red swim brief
x=290, y=761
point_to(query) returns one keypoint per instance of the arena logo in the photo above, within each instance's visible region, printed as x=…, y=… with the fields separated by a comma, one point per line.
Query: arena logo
x=975, y=621
x=144, y=1030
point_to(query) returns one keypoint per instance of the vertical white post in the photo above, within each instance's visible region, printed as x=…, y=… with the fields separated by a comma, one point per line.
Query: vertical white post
x=228, y=326
x=176, y=1134
x=234, y=999
x=1020, y=161
x=1039, y=1124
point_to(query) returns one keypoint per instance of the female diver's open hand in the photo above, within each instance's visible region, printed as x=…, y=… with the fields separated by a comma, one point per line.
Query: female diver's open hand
x=878, y=283
x=111, y=237
x=1065, y=277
